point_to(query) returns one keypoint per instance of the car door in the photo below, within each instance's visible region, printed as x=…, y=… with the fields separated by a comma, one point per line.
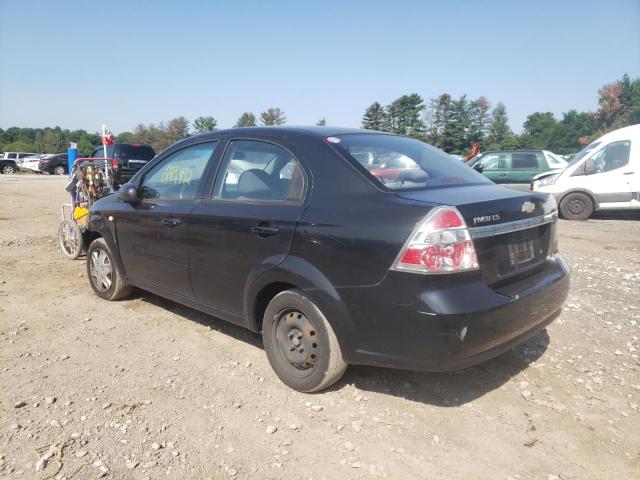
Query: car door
x=247, y=225
x=494, y=166
x=152, y=233
x=613, y=182
x=525, y=165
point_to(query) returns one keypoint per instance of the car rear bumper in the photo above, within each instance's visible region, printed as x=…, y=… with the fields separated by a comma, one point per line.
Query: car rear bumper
x=450, y=323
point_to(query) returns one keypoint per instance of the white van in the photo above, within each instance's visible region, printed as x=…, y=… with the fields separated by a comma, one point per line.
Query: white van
x=605, y=175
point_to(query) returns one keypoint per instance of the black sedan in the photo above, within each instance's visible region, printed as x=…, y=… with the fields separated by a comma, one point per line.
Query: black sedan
x=340, y=246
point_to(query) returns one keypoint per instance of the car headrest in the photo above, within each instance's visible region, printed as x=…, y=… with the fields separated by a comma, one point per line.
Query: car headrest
x=254, y=183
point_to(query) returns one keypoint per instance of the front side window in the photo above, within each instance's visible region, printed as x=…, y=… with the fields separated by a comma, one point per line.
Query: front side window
x=178, y=176
x=400, y=163
x=493, y=161
x=613, y=156
x=254, y=170
x=524, y=161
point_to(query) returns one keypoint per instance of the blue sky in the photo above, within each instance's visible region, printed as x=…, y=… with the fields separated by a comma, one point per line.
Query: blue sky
x=80, y=64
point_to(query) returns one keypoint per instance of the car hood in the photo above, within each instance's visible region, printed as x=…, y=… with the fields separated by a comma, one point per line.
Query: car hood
x=546, y=174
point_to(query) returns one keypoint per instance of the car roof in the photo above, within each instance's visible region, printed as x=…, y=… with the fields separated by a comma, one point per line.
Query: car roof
x=284, y=130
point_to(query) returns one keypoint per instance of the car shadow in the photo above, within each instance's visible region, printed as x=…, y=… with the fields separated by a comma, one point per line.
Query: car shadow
x=438, y=389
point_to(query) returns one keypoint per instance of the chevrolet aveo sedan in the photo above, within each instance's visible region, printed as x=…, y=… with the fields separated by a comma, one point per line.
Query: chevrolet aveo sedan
x=299, y=233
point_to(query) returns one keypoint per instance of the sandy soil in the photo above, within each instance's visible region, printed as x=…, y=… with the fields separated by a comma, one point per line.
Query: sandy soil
x=146, y=388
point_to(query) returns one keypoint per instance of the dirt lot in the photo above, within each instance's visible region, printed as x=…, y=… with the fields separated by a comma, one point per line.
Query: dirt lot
x=146, y=388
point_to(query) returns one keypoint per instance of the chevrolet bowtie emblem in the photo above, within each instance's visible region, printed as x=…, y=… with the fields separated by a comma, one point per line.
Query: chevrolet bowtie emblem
x=528, y=207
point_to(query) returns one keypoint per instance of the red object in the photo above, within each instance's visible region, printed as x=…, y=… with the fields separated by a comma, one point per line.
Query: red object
x=447, y=219
x=115, y=163
x=108, y=139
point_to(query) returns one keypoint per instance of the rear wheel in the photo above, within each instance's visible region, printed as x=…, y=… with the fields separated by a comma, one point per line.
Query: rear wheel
x=576, y=206
x=301, y=346
x=8, y=169
x=70, y=239
x=59, y=170
x=105, y=278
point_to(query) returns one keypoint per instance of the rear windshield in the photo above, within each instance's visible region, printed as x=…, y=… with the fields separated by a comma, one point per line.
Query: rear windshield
x=400, y=163
x=134, y=152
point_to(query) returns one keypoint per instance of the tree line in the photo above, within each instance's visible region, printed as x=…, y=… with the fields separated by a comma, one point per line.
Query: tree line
x=452, y=124
x=455, y=124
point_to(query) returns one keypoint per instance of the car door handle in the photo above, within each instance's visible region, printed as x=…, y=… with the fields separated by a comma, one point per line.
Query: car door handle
x=171, y=222
x=264, y=230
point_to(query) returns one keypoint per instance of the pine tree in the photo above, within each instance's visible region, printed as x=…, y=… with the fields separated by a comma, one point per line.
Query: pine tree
x=374, y=118
x=205, y=124
x=455, y=136
x=273, y=116
x=436, y=118
x=404, y=116
x=499, y=131
x=247, y=119
x=322, y=122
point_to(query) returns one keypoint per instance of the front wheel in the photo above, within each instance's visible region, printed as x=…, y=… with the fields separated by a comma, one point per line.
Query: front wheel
x=70, y=239
x=301, y=346
x=576, y=206
x=8, y=169
x=105, y=278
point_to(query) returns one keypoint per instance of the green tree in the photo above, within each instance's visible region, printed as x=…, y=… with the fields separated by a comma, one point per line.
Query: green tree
x=374, y=117
x=499, y=130
x=205, y=124
x=479, y=119
x=436, y=118
x=177, y=129
x=404, y=116
x=456, y=131
x=125, y=137
x=538, y=130
x=273, y=116
x=322, y=122
x=247, y=119
x=573, y=126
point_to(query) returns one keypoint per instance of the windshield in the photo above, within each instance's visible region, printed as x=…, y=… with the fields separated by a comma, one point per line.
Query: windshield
x=584, y=152
x=401, y=163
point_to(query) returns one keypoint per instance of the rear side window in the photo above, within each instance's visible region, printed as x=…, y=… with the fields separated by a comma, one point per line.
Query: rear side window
x=177, y=177
x=254, y=170
x=400, y=163
x=524, y=160
x=134, y=152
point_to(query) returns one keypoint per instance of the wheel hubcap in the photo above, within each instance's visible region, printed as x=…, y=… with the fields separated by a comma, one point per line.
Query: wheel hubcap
x=70, y=241
x=297, y=340
x=100, y=268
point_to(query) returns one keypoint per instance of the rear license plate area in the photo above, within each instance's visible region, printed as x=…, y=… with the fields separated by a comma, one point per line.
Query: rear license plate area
x=520, y=250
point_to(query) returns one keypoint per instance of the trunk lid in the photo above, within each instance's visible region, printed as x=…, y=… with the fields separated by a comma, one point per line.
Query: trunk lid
x=513, y=231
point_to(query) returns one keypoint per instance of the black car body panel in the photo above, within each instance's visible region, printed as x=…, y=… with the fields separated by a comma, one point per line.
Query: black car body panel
x=337, y=244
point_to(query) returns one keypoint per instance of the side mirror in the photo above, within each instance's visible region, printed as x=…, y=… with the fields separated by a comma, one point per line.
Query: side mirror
x=478, y=167
x=128, y=193
x=590, y=167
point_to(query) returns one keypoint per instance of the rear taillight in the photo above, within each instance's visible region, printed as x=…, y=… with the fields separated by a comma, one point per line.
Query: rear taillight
x=116, y=164
x=440, y=243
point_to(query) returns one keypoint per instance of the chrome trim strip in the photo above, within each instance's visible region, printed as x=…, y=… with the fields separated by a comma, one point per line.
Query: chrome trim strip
x=516, y=225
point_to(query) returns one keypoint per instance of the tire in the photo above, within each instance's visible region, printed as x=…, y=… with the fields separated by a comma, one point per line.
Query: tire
x=300, y=344
x=576, y=206
x=59, y=170
x=105, y=278
x=70, y=239
x=8, y=169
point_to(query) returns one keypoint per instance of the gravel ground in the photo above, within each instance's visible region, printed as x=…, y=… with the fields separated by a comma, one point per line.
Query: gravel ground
x=146, y=388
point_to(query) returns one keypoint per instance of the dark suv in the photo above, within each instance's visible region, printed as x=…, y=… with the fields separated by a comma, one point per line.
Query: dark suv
x=286, y=231
x=125, y=158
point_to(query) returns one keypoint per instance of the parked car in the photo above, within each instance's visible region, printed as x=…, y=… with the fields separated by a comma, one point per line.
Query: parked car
x=31, y=163
x=125, y=158
x=8, y=165
x=515, y=166
x=57, y=163
x=11, y=161
x=332, y=264
x=605, y=175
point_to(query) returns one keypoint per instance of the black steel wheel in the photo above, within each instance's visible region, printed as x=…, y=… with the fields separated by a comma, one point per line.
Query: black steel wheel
x=301, y=346
x=576, y=206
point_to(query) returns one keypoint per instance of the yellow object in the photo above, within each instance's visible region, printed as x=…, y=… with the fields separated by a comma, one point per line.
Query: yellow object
x=80, y=212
